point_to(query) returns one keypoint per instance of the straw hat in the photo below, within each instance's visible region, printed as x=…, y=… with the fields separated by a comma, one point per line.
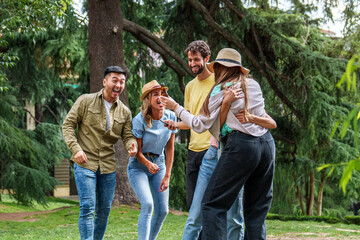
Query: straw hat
x=228, y=57
x=149, y=87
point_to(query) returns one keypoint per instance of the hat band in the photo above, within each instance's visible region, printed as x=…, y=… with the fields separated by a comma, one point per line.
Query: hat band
x=156, y=86
x=229, y=60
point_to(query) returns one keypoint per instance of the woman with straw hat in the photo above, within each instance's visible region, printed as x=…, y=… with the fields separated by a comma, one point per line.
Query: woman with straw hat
x=248, y=155
x=148, y=174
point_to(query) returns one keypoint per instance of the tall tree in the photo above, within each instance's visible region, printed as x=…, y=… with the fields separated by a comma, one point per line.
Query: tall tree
x=105, y=49
x=287, y=55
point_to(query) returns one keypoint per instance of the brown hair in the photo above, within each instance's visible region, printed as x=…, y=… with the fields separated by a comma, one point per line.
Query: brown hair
x=222, y=76
x=198, y=46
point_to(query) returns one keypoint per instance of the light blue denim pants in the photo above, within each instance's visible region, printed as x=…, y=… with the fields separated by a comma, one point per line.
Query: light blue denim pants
x=234, y=215
x=146, y=187
x=96, y=192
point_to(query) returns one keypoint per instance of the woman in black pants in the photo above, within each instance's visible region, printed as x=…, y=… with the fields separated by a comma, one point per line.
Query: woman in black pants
x=248, y=155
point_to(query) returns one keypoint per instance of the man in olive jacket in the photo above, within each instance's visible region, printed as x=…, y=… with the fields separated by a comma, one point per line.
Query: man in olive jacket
x=101, y=119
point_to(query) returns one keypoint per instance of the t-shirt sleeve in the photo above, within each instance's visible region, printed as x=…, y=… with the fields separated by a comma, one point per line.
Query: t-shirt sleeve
x=138, y=126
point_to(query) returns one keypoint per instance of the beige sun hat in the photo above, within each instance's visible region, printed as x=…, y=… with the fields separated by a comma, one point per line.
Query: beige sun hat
x=228, y=57
x=149, y=87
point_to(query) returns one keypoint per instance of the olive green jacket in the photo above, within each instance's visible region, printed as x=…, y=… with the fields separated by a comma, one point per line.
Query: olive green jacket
x=88, y=114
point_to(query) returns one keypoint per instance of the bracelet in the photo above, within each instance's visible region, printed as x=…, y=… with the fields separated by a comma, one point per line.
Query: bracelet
x=175, y=107
x=181, y=112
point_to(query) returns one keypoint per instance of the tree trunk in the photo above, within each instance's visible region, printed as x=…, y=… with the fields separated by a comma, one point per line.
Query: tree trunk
x=311, y=193
x=307, y=192
x=105, y=49
x=320, y=194
x=299, y=195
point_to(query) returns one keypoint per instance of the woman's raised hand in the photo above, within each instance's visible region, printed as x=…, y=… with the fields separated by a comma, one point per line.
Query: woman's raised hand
x=232, y=93
x=169, y=103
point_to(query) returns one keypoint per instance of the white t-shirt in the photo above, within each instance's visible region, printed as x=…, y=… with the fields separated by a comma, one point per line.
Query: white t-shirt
x=107, y=107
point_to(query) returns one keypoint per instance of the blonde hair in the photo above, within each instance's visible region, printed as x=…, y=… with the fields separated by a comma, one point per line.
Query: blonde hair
x=222, y=76
x=146, y=110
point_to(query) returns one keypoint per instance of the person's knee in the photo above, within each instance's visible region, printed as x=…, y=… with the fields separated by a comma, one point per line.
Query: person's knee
x=163, y=212
x=206, y=210
x=87, y=208
x=147, y=207
x=103, y=212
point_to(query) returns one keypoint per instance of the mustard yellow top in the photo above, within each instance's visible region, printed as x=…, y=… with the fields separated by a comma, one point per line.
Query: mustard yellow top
x=195, y=94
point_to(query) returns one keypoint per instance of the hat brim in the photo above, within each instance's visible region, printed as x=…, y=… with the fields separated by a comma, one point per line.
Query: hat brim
x=150, y=90
x=210, y=66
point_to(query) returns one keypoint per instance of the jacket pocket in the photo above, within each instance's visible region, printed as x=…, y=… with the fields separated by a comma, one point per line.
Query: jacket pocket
x=118, y=125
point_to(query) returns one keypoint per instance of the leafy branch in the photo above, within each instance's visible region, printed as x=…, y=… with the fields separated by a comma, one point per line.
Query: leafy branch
x=349, y=78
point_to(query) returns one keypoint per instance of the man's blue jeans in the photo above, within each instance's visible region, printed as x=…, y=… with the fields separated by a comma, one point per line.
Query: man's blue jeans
x=234, y=215
x=146, y=186
x=96, y=192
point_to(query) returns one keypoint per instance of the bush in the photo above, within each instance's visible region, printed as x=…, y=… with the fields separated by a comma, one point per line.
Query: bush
x=352, y=220
x=331, y=220
x=177, y=198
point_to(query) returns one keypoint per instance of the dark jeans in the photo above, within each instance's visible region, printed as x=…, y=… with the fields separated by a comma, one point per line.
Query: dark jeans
x=193, y=163
x=246, y=161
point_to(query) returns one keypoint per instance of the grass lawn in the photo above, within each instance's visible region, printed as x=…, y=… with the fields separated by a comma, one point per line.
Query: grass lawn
x=9, y=205
x=62, y=224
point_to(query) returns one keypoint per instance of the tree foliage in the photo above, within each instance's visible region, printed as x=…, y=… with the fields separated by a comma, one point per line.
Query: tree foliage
x=296, y=65
x=24, y=16
x=43, y=52
x=27, y=158
x=348, y=123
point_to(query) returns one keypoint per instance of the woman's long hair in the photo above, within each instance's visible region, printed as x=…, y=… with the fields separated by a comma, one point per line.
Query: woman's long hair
x=222, y=76
x=146, y=110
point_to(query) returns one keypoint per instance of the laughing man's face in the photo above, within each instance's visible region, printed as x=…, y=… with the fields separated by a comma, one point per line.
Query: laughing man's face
x=114, y=84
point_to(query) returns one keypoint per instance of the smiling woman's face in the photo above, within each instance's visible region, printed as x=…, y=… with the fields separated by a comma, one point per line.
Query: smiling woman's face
x=155, y=103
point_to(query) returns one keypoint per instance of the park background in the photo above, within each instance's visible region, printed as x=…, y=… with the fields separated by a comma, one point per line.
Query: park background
x=51, y=53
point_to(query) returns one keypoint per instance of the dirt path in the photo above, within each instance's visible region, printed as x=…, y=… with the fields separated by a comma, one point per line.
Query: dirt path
x=22, y=216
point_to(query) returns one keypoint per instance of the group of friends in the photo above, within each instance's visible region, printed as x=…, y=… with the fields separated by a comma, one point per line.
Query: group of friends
x=231, y=154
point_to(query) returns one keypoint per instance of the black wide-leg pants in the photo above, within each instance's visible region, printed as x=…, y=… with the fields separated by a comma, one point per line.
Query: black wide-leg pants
x=246, y=161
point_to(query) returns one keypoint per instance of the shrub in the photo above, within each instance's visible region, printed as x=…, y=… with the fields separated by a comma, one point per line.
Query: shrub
x=177, y=198
x=352, y=220
x=331, y=220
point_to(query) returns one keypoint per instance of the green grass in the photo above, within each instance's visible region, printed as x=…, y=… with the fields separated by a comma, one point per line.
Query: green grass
x=320, y=230
x=123, y=225
x=9, y=205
